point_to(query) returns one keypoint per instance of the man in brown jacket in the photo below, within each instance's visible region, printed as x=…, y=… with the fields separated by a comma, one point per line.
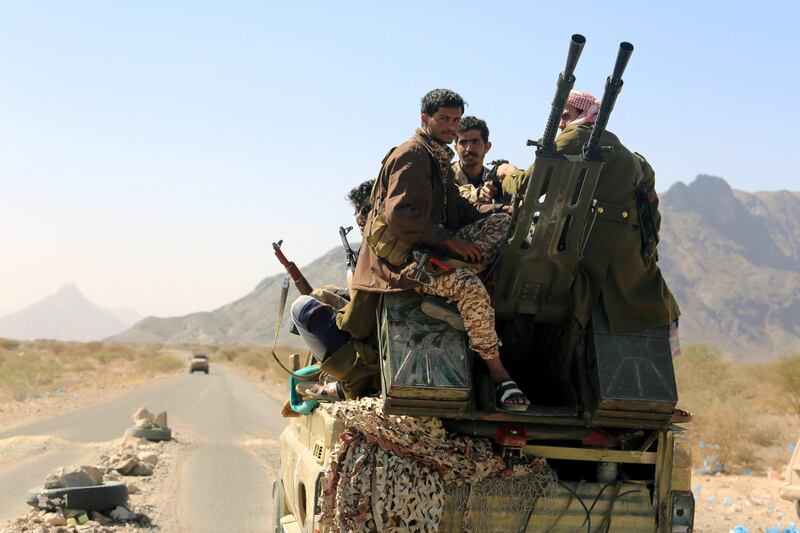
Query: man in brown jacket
x=417, y=204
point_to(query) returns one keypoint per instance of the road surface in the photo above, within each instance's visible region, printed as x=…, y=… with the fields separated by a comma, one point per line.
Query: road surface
x=221, y=483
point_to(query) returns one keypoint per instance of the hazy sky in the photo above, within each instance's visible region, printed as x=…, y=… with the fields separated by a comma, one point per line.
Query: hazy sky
x=151, y=151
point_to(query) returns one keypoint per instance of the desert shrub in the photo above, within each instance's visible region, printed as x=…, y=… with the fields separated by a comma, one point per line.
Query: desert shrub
x=724, y=411
x=787, y=376
x=9, y=344
x=159, y=363
x=94, y=346
x=106, y=357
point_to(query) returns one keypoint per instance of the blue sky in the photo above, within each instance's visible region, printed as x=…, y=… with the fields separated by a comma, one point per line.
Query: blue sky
x=151, y=151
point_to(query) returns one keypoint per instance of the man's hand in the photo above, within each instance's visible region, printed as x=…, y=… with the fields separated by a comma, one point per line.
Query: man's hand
x=468, y=251
x=504, y=170
x=487, y=193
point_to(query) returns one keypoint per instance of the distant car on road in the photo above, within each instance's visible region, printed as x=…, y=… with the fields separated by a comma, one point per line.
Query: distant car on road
x=199, y=363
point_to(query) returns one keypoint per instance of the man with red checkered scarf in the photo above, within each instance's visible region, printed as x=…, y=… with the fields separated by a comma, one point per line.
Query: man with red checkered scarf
x=613, y=271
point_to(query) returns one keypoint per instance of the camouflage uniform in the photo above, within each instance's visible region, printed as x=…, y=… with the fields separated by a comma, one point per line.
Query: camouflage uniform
x=463, y=285
x=330, y=295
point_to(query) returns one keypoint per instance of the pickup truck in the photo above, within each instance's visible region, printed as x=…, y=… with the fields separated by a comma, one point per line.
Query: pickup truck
x=602, y=411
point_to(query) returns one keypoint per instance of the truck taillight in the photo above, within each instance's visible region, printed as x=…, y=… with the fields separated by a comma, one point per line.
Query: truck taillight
x=514, y=435
x=682, y=511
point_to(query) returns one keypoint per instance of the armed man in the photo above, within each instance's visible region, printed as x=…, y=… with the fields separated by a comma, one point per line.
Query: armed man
x=473, y=178
x=618, y=268
x=417, y=206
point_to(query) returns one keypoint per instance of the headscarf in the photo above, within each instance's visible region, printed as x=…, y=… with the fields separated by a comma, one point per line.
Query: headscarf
x=589, y=105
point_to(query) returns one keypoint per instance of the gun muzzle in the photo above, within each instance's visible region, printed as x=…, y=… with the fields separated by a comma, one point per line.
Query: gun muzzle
x=623, y=55
x=575, y=48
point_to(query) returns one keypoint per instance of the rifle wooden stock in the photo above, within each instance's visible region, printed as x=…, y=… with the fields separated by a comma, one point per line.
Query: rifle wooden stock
x=297, y=277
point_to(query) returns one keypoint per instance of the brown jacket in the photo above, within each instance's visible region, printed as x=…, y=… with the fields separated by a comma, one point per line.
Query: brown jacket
x=413, y=193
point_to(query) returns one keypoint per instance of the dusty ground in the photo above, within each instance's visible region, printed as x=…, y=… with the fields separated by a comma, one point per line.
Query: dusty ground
x=723, y=502
x=149, y=497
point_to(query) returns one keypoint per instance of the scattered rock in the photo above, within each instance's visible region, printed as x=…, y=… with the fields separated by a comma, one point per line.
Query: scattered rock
x=161, y=420
x=143, y=414
x=70, y=476
x=122, y=514
x=133, y=488
x=126, y=465
x=54, y=519
x=143, y=423
x=100, y=518
x=149, y=458
x=142, y=470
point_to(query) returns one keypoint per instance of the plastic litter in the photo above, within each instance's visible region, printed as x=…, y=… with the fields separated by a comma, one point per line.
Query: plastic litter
x=790, y=447
x=746, y=471
x=698, y=488
x=739, y=529
x=727, y=501
x=711, y=500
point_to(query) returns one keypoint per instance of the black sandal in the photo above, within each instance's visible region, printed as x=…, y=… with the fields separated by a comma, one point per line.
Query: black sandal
x=509, y=389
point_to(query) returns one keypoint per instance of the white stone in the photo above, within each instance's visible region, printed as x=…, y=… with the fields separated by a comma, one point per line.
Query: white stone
x=55, y=519
x=143, y=414
x=143, y=423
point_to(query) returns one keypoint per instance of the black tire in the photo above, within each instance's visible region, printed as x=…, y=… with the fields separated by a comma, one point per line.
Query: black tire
x=95, y=498
x=206, y=371
x=277, y=505
x=153, y=434
x=797, y=508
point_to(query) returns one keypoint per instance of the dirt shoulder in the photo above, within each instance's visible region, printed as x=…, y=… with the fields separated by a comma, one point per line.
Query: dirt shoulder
x=723, y=502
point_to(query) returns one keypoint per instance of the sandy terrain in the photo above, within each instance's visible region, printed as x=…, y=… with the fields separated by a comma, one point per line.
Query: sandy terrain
x=723, y=502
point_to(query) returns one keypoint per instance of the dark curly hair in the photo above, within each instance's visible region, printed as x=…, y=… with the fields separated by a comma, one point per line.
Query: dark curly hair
x=361, y=197
x=441, y=98
x=473, y=123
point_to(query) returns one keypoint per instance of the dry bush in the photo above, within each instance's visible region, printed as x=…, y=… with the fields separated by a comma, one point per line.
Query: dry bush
x=158, y=363
x=787, y=376
x=9, y=344
x=94, y=346
x=724, y=410
x=31, y=369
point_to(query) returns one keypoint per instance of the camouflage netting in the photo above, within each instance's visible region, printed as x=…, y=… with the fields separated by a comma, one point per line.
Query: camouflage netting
x=400, y=473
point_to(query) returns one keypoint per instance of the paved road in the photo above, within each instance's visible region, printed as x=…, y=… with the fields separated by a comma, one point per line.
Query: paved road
x=222, y=486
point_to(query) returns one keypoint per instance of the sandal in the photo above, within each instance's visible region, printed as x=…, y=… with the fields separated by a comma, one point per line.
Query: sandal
x=314, y=390
x=509, y=389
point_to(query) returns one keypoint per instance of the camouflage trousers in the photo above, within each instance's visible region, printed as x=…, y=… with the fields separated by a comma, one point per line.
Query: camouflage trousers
x=465, y=288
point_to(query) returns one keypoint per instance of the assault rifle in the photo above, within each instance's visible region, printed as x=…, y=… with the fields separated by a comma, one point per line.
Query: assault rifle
x=299, y=280
x=645, y=198
x=348, y=252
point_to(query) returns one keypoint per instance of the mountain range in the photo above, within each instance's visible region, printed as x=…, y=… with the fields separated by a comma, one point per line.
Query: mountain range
x=731, y=258
x=66, y=315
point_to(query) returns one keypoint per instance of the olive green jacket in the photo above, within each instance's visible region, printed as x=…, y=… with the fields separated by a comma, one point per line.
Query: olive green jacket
x=633, y=291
